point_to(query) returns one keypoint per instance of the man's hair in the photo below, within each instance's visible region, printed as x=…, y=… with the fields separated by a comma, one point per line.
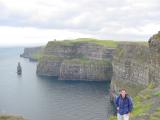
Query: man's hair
x=123, y=89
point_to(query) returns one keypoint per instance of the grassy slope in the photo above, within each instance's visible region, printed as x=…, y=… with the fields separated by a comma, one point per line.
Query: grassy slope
x=146, y=105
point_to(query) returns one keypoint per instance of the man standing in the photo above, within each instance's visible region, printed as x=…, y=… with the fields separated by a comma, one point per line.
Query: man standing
x=124, y=105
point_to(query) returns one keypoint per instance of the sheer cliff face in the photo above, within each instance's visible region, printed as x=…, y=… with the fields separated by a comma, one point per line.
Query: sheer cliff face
x=136, y=65
x=78, y=50
x=130, y=64
x=92, y=70
x=76, y=61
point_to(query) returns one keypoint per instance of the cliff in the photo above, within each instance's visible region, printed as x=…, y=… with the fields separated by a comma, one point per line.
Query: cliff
x=77, y=60
x=136, y=67
x=33, y=54
x=130, y=67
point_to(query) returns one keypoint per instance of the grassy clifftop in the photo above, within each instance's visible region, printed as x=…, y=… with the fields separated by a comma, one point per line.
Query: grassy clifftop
x=59, y=50
x=65, y=44
x=107, y=43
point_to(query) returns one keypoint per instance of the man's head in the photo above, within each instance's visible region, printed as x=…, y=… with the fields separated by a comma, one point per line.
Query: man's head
x=123, y=93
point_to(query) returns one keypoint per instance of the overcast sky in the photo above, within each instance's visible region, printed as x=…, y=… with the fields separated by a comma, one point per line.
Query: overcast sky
x=38, y=21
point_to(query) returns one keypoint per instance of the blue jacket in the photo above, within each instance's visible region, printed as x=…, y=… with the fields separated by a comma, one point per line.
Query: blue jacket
x=125, y=104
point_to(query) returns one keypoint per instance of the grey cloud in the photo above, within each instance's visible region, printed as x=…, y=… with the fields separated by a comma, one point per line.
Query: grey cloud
x=97, y=15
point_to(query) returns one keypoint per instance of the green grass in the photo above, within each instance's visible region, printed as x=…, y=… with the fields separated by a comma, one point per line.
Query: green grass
x=37, y=56
x=142, y=43
x=50, y=58
x=87, y=61
x=76, y=60
x=11, y=117
x=113, y=118
x=157, y=94
x=155, y=115
x=106, y=43
x=140, y=108
x=61, y=43
x=151, y=85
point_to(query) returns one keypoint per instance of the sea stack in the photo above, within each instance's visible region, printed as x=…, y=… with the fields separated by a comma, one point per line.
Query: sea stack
x=19, y=69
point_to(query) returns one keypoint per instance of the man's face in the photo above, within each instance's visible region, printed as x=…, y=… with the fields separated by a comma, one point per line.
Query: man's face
x=123, y=93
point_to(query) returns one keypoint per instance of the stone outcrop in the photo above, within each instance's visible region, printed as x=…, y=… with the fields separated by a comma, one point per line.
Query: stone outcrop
x=76, y=61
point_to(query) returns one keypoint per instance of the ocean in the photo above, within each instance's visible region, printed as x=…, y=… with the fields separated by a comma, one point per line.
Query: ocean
x=46, y=98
